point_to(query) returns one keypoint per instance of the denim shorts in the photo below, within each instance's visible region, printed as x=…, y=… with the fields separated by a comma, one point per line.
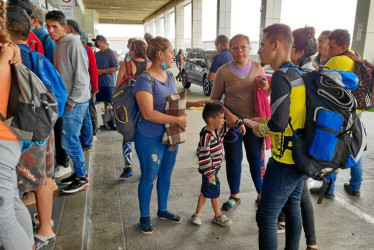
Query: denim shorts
x=210, y=190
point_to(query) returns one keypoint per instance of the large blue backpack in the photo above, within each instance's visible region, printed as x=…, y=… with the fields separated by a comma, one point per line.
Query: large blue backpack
x=334, y=136
x=49, y=75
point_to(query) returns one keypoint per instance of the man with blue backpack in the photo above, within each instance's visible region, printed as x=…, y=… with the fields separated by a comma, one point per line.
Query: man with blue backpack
x=283, y=183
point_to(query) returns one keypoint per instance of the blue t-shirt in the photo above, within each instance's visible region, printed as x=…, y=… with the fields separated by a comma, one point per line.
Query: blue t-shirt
x=48, y=44
x=104, y=60
x=160, y=93
x=220, y=59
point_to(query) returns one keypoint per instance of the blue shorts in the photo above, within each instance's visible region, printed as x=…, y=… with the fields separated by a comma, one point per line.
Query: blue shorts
x=208, y=189
x=105, y=94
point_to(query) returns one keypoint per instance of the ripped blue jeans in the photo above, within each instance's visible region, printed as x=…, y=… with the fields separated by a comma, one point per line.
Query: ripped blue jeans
x=156, y=163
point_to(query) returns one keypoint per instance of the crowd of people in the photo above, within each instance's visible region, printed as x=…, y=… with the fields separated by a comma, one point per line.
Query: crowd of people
x=28, y=169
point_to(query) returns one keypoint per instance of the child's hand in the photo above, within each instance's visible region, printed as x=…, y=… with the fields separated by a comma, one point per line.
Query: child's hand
x=212, y=178
x=242, y=129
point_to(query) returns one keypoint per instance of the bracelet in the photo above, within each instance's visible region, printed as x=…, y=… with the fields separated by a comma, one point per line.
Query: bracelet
x=239, y=122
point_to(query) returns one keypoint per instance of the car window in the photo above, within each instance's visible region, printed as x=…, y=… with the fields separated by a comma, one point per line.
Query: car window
x=191, y=57
x=200, y=57
x=209, y=58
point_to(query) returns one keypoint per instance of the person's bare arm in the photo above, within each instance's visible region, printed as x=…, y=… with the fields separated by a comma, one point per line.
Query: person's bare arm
x=211, y=76
x=122, y=74
x=106, y=71
x=145, y=102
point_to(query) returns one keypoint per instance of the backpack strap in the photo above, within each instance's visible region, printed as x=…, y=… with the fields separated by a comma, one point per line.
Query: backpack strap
x=150, y=78
x=128, y=67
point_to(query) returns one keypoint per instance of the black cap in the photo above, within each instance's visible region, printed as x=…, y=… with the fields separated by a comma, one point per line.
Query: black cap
x=74, y=25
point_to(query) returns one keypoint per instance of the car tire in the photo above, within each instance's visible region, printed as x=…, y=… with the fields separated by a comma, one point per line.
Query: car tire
x=207, y=87
x=185, y=83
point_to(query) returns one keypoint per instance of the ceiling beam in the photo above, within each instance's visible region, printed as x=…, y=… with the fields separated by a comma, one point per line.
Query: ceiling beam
x=163, y=9
x=119, y=21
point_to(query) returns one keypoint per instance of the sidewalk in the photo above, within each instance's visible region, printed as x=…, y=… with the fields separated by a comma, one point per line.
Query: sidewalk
x=106, y=216
x=344, y=223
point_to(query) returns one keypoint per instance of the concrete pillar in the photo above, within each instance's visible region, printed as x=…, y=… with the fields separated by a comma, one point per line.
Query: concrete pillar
x=167, y=26
x=146, y=28
x=224, y=17
x=158, y=27
x=90, y=22
x=152, y=28
x=197, y=23
x=270, y=12
x=179, y=27
x=363, y=33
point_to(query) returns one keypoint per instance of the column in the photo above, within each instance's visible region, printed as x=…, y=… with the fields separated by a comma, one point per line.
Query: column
x=158, y=27
x=146, y=28
x=179, y=27
x=197, y=23
x=90, y=21
x=270, y=12
x=363, y=33
x=167, y=26
x=152, y=28
x=224, y=17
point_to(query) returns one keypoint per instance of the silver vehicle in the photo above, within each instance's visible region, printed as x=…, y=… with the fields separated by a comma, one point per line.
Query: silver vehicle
x=196, y=68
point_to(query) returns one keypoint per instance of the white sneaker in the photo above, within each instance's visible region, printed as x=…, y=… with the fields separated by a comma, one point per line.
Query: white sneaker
x=61, y=171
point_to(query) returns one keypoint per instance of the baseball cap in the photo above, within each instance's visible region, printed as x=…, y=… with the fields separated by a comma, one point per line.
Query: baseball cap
x=38, y=13
x=100, y=37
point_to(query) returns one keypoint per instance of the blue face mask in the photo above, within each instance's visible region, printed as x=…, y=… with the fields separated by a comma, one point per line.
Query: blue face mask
x=32, y=28
x=164, y=67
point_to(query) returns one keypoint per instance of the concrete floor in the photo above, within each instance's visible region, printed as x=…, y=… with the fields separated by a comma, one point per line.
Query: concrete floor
x=112, y=217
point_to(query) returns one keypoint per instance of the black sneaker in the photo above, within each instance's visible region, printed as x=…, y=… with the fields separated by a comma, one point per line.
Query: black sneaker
x=68, y=180
x=349, y=190
x=127, y=172
x=86, y=148
x=316, y=191
x=78, y=184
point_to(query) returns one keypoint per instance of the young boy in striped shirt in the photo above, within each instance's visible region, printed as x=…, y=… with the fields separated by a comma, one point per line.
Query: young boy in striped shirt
x=210, y=154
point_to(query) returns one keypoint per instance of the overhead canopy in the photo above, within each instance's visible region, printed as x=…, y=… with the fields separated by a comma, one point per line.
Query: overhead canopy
x=129, y=11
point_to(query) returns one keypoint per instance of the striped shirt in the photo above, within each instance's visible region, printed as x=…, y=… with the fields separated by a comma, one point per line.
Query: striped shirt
x=210, y=151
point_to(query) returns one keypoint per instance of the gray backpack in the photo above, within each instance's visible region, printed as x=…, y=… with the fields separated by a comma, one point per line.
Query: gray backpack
x=32, y=109
x=126, y=110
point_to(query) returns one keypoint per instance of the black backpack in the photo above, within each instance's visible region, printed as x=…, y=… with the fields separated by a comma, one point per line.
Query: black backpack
x=334, y=137
x=32, y=109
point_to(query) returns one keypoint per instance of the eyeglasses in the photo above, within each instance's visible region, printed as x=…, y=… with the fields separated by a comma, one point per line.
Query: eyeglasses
x=243, y=47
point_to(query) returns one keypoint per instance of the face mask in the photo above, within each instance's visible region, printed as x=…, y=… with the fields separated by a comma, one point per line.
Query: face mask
x=164, y=67
x=32, y=28
x=97, y=46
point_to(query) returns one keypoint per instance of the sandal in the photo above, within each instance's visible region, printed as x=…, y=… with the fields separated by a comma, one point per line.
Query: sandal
x=165, y=215
x=41, y=241
x=145, y=225
x=36, y=221
x=223, y=221
x=231, y=203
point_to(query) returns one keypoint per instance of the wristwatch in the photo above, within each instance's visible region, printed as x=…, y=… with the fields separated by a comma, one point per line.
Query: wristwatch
x=239, y=122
